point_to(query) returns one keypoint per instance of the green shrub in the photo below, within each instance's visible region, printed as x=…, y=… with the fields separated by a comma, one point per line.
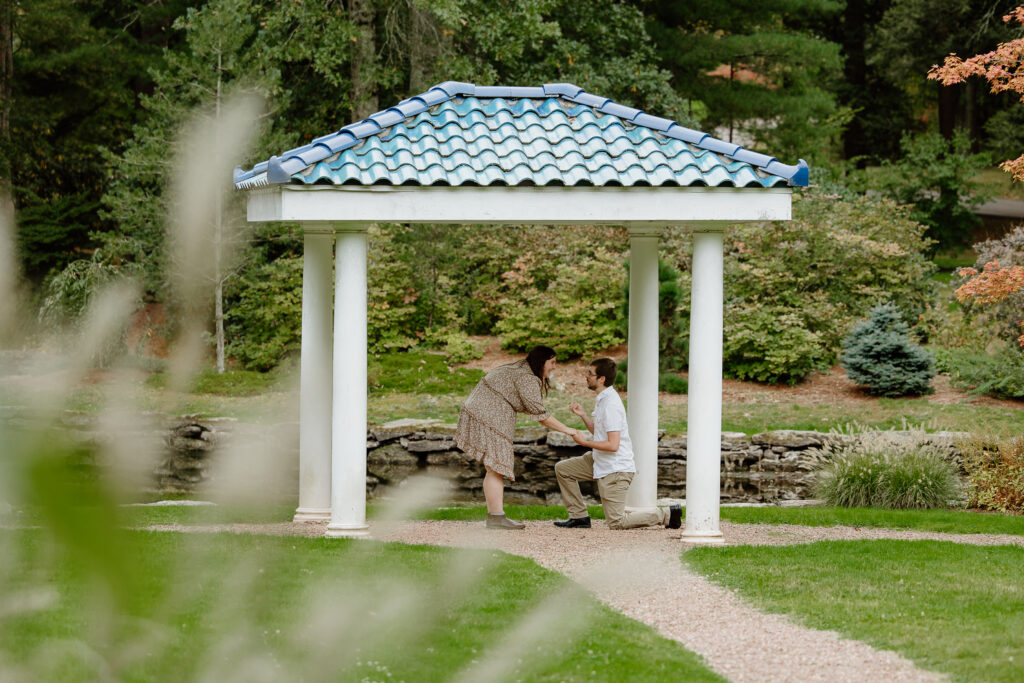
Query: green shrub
x=879, y=355
x=673, y=331
x=575, y=313
x=773, y=344
x=793, y=288
x=263, y=313
x=999, y=374
x=671, y=383
x=460, y=348
x=939, y=178
x=668, y=382
x=888, y=470
x=995, y=474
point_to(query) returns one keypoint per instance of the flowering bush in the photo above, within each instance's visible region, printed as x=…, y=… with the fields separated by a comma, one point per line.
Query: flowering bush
x=995, y=474
x=891, y=470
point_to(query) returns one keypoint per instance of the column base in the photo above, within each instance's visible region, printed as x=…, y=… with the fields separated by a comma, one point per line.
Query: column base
x=700, y=538
x=344, y=531
x=312, y=515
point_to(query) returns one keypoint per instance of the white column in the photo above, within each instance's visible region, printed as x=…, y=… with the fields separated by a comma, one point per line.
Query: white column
x=704, y=404
x=643, y=366
x=348, y=443
x=315, y=380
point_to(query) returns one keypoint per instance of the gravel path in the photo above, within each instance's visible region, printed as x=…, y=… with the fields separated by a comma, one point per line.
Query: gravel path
x=638, y=572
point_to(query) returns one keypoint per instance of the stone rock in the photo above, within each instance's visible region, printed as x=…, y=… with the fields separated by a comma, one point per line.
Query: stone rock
x=531, y=450
x=735, y=441
x=947, y=438
x=181, y=443
x=392, y=454
x=450, y=458
x=560, y=440
x=426, y=446
x=445, y=430
x=789, y=438
x=530, y=435
x=396, y=429
x=672, y=447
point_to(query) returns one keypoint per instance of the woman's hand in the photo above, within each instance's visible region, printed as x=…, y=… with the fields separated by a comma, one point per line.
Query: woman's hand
x=577, y=436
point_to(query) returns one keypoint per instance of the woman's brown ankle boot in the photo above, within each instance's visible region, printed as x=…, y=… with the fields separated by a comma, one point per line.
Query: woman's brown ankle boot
x=502, y=522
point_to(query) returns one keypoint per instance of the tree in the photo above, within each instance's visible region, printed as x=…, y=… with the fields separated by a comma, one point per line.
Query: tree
x=75, y=72
x=913, y=34
x=757, y=68
x=1003, y=68
x=939, y=178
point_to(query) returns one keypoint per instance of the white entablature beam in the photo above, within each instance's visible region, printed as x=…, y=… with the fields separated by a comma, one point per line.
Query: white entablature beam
x=518, y=205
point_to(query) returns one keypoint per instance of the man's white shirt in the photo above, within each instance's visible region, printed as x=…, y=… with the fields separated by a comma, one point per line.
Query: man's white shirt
x=610, y=416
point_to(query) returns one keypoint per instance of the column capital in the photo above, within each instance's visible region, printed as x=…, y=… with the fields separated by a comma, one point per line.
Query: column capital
x=645, y=229
x=344, y=226
x=708, y=226
x=317, y=228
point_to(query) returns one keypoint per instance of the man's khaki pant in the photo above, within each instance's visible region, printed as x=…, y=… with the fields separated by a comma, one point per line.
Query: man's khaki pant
x=612, y=489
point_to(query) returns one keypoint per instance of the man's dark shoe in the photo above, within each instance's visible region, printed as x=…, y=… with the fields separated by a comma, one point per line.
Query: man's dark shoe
x=675, y=517
x=574, y=522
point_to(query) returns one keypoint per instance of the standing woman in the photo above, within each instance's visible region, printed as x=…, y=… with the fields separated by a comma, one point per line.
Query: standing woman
x=487, y=423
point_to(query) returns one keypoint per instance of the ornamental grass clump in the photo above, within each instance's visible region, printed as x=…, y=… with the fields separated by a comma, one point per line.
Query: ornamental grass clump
x=893, y=470
x=879, y=356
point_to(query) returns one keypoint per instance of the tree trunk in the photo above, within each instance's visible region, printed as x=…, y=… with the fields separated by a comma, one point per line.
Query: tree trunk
x=948, y=95
x=364, y=57
x=417, y=27
x=6, y=80
x=855, y=71
x=218, y=296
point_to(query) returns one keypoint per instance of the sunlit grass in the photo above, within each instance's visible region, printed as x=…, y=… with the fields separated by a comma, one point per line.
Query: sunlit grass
x=948, y=607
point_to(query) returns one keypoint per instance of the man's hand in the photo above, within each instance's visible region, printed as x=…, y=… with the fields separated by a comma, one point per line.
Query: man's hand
x=577, y=410
x=577, y=436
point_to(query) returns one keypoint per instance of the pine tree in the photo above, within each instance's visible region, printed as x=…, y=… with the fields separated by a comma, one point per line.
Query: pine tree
x=879, y=355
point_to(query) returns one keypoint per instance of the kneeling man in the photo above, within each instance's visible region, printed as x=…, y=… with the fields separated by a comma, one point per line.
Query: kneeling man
x=610, y=463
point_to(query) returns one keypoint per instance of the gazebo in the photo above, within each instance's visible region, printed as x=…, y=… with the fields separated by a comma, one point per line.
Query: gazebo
x=551, y=155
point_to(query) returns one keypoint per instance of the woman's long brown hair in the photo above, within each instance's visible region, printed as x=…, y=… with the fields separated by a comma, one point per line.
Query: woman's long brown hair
x=536, y=358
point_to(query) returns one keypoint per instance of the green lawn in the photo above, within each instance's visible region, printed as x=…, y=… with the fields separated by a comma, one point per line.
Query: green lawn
x=948, y=521
x=948, y=607
x=209, y=607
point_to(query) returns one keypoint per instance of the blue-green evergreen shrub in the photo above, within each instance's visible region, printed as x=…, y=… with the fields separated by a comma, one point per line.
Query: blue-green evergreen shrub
x=879, y=355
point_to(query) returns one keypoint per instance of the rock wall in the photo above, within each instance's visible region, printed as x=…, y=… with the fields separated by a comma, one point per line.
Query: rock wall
x=193, y=455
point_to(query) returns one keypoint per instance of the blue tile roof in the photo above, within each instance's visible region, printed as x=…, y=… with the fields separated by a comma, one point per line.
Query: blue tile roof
x=556, y=134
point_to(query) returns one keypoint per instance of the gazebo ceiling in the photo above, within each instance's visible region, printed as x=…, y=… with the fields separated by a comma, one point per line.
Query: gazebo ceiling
x=459, y=134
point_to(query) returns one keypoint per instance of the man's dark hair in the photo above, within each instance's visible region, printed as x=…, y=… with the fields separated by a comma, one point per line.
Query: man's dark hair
x=605, y=367
x=536, y=358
